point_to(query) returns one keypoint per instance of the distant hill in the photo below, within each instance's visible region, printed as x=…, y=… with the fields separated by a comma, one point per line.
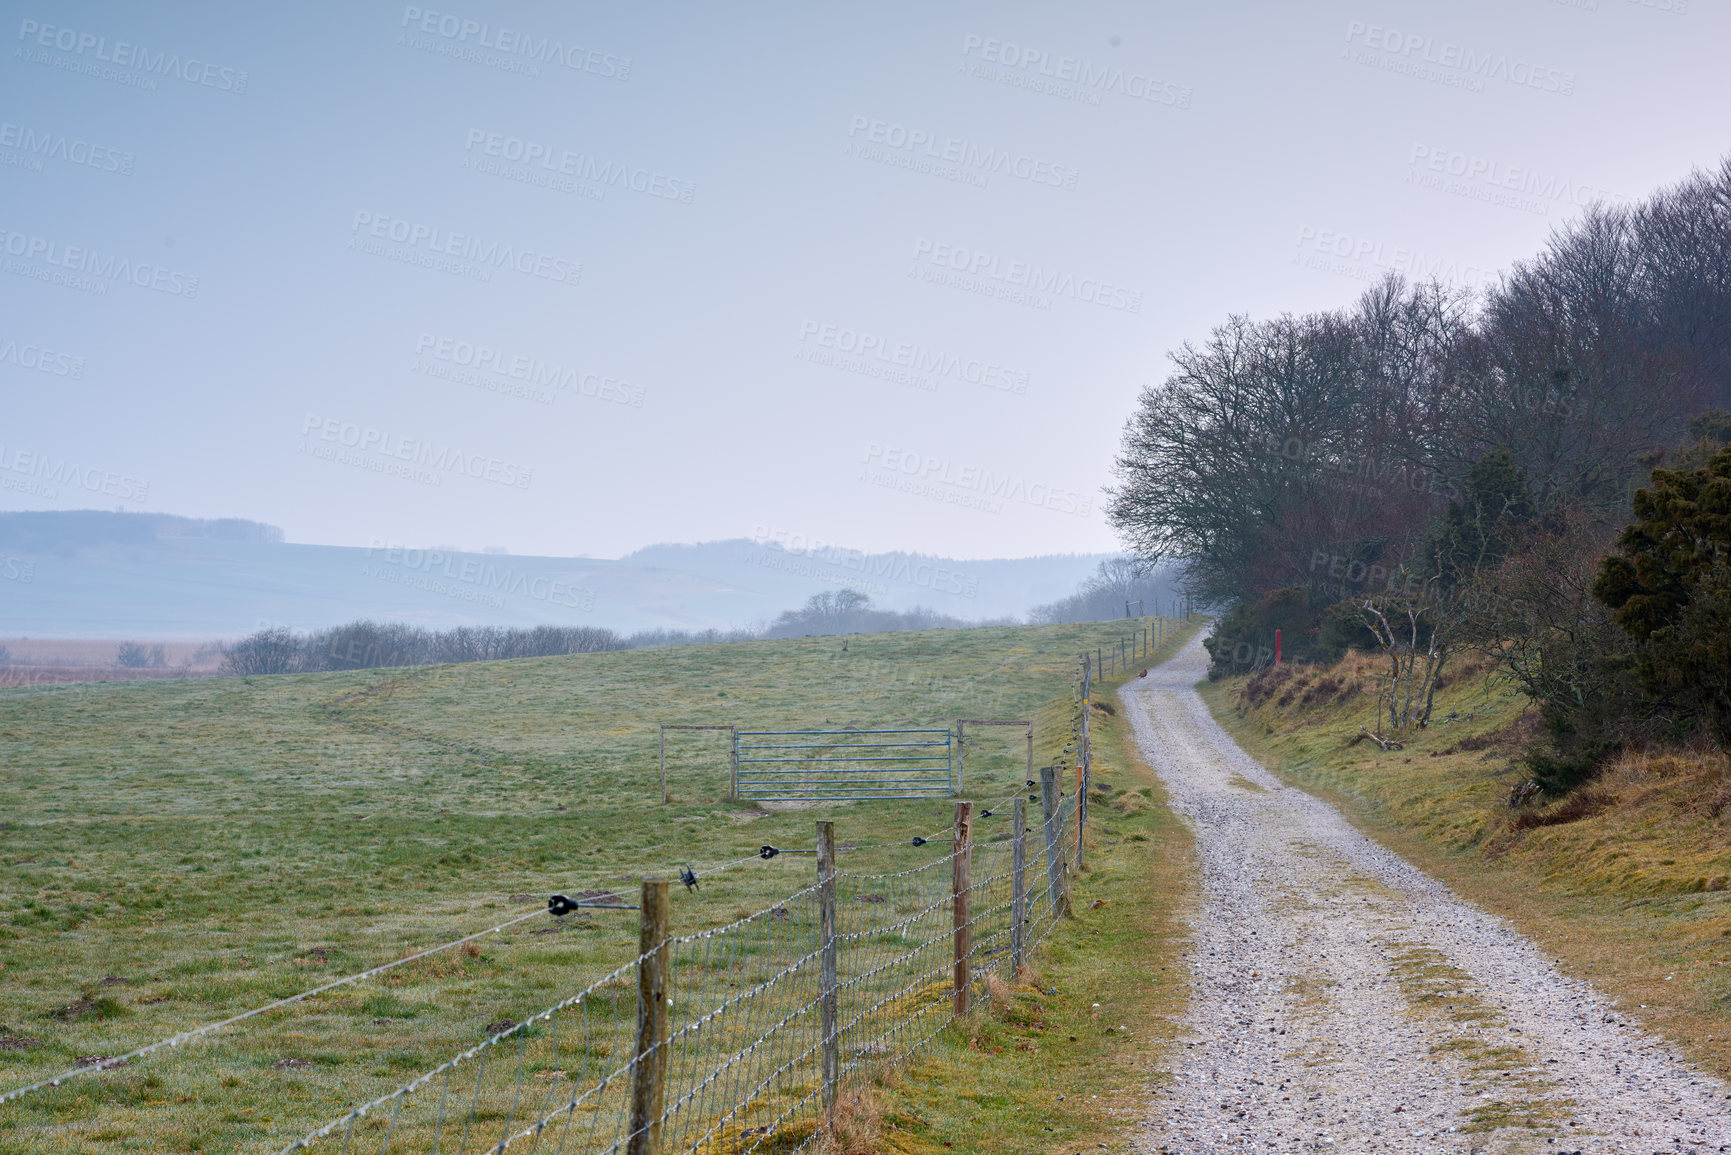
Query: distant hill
x=52, y=530
x=92, y=574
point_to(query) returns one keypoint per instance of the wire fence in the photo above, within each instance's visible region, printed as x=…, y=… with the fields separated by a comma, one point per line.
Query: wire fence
x=740, y=1039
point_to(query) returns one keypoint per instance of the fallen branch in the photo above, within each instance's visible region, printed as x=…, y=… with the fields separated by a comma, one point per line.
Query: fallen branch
x=1391, y=744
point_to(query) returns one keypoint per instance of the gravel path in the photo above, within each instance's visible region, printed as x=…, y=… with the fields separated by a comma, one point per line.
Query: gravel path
x=1343, y=1001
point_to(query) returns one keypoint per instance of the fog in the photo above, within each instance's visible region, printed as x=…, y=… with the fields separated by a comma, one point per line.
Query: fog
x=570, y=282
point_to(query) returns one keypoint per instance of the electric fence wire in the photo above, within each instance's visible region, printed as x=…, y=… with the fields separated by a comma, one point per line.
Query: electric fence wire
x=209, y=1028
x=195, y=1033
x=741, y=1057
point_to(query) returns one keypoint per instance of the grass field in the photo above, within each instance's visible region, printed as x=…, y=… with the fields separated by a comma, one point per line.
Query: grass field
x=1050, y=1070
x=1624, y=882
x=175, y=852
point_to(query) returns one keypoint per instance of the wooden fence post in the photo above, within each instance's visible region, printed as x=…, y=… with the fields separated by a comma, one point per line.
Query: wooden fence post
x=1081, y=811
x=733, y=788
x=961, y=889
x=1054, y=860
x=1088, y=676
x=1085, y=761
x=1030, y=778
x=661, y=750
x=1019, y=888
x=649, y=1065
x=961, y=754
x=827, y=980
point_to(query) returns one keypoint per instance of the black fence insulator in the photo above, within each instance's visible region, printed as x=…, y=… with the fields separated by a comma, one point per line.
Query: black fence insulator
x=930, y=841
x=559, y=906
x=985, y=814
x=1031, y=783
x=688, y=878
x=768, y=852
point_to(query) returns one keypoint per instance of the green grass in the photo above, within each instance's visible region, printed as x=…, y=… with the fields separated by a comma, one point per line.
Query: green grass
x=1627, y=891
x=175, y=852
x=1048, y=1070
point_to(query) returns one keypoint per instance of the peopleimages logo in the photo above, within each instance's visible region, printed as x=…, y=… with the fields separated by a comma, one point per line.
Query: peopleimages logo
x=986, y=489
x=41, y=359
x=36, y=473
x=414, y=458
x=1018, y=276
x=1516, y=186
x=90, y=47
x=919, y=146
x=1401, y=49
x=425, y=568
x=427, y=245
x=510, y=42
x=87, y=269
x=907, y=569
x=1069, y=77
x=39, y=144
x=860, y=351
x=1366, y=259
x=555, y=161
x=531, y=371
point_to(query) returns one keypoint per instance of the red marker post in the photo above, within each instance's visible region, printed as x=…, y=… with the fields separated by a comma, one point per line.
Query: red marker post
x=1277, y=647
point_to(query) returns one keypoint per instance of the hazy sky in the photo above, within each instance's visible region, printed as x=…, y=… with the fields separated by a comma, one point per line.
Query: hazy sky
x=572, y=279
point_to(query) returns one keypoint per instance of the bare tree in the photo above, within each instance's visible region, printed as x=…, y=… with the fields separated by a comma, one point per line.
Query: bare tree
x=1412, y=630
x=1219, y=462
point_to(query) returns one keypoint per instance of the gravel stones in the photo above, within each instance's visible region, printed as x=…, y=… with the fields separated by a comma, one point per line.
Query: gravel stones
x=1343, y=1001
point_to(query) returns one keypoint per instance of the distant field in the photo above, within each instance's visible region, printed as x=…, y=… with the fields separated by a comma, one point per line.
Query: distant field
x=100, y=652
x=178, y=851
x=43, y=661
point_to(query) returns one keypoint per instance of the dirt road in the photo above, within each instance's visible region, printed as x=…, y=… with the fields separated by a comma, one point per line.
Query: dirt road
x=1344, y=1001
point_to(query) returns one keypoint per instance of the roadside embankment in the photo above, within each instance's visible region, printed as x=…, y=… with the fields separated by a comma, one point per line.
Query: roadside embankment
x=1624, y=881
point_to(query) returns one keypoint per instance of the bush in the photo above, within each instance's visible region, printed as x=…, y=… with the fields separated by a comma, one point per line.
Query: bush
x=1669, y=586
x=270, y=651
x=1343, y=628
x=134, y=656
x=851, y=612
x=1243, y=639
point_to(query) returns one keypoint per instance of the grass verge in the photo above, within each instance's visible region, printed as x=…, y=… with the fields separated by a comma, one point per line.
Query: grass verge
x=1624, y=883
x=1063, y=1062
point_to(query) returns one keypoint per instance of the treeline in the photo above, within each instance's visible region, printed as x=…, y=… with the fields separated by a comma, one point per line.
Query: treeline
x=851, y=612
x=1119, y=586
x=1429, y=471
x=367, y=645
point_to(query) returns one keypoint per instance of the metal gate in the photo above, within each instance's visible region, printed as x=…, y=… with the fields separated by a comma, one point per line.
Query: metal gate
x=841, y=765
